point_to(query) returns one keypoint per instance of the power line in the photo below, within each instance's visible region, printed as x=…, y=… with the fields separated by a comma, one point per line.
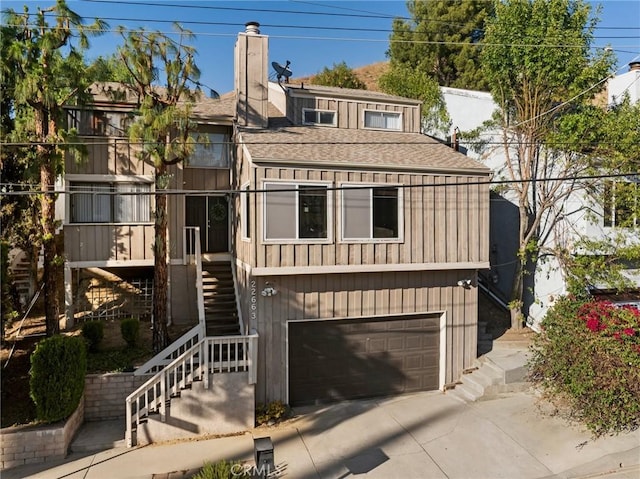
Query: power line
x=171, y=192
x=302, y=27
x=360, y=14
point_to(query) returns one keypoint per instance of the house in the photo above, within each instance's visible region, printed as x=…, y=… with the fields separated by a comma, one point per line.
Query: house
x=350, y=241
x=588, y=216
x=107, y=212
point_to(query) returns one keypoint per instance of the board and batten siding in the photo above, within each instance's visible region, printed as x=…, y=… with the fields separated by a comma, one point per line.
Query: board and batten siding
x=350, y=113
x=445, y=220
x=108, y=242
x=359, y=295
x=108, y=156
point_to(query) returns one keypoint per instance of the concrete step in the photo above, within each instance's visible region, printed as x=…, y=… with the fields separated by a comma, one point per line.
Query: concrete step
x=499, y=371
x=510, y=362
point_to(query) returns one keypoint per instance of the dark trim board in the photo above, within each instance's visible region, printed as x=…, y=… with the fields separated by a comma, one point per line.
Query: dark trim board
x=334, y=360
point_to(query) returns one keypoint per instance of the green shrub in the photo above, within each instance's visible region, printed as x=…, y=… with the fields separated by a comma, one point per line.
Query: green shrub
x=58, y=369
x=273, y=412
x=93, y=332
x=222, y=470
x=587, y=357
x=130, y=330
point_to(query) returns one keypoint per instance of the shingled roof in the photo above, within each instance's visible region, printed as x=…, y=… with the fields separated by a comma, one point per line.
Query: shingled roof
x=358, y=148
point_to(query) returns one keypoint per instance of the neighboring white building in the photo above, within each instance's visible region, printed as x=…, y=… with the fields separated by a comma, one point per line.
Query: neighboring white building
x=469, y=110
x=628, y=83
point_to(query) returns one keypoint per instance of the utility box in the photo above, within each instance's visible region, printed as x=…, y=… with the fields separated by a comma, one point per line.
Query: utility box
x=263, y=449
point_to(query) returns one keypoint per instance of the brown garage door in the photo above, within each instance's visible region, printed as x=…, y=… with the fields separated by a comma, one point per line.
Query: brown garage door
x=348, y=359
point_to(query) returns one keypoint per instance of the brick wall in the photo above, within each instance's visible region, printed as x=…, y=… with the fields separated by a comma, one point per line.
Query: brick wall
x=32, y=445
x=105, y=394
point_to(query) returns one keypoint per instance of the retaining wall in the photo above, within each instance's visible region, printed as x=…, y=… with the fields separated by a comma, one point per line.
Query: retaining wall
x=23, y=445
x=104, y=398
x=105, y=394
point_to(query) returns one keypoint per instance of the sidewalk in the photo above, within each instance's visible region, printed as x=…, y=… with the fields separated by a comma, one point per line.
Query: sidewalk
x=426, y=435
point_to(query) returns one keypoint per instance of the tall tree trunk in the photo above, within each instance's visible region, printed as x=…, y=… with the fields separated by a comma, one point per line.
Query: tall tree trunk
x=50, y=274
x=160, y=274
x=517, y=285
x=517, y=289
x=47, y=219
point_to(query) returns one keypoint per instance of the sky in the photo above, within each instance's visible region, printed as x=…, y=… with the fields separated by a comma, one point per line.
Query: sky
x=309, y=34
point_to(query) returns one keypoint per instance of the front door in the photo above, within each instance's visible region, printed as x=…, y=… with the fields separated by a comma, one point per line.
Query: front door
x=211, y=214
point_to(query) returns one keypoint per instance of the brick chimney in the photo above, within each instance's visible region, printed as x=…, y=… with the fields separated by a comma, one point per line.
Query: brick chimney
x=251, y=77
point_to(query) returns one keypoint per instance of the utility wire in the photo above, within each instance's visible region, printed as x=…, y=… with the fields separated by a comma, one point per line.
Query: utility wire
x=634, y=176
x=300, y=27
x=369, y=40
x=360, y=14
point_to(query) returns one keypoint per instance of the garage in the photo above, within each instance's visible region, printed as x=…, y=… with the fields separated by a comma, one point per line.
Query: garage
x=334, y=360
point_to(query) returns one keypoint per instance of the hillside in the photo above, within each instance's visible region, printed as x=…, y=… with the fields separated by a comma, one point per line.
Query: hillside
x=367, y=74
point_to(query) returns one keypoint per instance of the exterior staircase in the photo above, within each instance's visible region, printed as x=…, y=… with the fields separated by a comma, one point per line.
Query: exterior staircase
x=21, y=277
x=501, y=370
x=220, y=305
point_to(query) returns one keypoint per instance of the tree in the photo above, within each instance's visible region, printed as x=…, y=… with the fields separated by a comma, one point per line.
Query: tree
x=48, y=72
x=543, y=76
x=160, y=70
x=442, y=40
x=109, y=69
x=409, y=83
x=340, y=76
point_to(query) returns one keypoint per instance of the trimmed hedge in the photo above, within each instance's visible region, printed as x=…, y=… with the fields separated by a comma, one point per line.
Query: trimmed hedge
x=587, y=360
x=130, y=330
x=93, y=332
x=58, y=370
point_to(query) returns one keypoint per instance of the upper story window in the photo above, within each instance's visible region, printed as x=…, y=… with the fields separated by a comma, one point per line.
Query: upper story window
x=621, y=204
x=319, y=117
x=383, y=120
x=110, y=202
x=371, y=213
x=296, y=211
x=99, y=122
x=212, y=152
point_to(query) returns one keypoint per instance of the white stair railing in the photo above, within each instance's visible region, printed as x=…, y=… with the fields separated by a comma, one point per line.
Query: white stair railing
x=192, y=254
x=213, y=355
x=173, y=351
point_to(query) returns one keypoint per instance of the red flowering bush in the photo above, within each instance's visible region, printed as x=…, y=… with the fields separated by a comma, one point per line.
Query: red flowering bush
x=587, y=358
x=620, y=323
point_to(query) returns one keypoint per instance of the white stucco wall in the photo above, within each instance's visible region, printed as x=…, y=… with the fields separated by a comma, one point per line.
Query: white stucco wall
x=468, y=110
x=628, y=82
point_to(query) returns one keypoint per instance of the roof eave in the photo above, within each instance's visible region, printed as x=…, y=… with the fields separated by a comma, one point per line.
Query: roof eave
x=382, y=166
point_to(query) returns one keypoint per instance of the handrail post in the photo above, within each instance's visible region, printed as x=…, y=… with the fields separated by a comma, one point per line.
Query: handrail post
x=163, y=396
x=128, y=432
x=206, y=360
x=199, y=287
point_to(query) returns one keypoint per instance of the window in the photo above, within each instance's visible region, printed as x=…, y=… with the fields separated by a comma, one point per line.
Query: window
x=99, y=123
x=318, y=117
x=245, y=207
x=621, y=204
x=110, y=203
x=384, y=120
x=371, y=213
x=212, y=152
x=296, y=211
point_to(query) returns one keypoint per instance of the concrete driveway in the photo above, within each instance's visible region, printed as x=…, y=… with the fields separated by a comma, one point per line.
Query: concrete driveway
x=425, y=435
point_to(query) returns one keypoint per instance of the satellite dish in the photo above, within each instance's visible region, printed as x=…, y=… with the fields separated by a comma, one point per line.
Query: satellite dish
x=282, y=71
